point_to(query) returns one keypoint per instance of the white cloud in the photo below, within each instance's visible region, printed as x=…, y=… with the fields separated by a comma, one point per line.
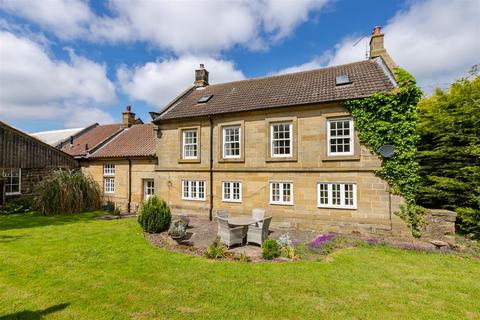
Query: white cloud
x=281, y=17
x=35, y=86
x=197, y=27
x=437, y=41
x=67, y=18
x=157, y=83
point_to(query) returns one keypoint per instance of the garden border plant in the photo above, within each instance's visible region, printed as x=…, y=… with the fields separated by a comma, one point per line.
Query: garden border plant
x=391, y=118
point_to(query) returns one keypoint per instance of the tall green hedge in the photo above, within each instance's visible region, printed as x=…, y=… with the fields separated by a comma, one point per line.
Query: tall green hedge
x=449, y=152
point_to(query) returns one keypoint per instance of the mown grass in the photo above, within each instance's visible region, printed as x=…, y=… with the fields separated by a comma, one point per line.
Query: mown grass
x=75, y=267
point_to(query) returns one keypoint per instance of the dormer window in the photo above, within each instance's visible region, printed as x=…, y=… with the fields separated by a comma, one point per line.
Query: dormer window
x=342, y=79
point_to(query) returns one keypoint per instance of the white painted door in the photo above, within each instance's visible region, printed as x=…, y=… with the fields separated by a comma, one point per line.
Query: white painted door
x=148, y=189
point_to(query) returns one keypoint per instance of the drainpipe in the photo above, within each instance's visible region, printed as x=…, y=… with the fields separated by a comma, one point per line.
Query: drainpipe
x=210, y=213
x=129, y=184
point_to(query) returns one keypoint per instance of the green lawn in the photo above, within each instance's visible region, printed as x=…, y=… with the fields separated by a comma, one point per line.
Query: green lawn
x=74, y=267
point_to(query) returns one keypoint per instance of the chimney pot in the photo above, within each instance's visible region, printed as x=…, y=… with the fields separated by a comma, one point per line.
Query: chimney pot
x=377, y=48
x=201, y=76
x=377, y=30
x=128, y=117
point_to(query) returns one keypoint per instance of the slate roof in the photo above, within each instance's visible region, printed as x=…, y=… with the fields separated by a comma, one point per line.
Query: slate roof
x=92, y=138
x=136, y=141
x=315, y=86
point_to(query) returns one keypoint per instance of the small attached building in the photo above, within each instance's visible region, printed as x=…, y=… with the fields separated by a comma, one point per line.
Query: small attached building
x=120, y=157
x=125, y=167
x=25, y=160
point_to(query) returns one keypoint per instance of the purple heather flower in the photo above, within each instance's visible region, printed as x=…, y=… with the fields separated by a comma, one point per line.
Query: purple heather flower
x=372, y=240
x=321, y=239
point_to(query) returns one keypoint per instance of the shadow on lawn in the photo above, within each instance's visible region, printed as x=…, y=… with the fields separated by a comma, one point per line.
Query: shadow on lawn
x=4, y=238
x=33, y=220
x=34, y=315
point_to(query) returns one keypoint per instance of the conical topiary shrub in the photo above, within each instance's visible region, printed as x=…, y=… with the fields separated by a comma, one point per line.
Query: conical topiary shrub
x=155, y=215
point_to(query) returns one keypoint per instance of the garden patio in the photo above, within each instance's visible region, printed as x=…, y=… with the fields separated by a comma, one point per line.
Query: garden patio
x=202, y=232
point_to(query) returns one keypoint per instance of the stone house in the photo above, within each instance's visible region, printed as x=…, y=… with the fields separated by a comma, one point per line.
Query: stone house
x=120, y=158
x=283, y=143
x=25, y=160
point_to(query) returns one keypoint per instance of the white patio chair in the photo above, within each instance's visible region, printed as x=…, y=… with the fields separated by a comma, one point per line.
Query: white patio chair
x=230, y=235
x=222, y=213
x=258, y=214
x=259, y=234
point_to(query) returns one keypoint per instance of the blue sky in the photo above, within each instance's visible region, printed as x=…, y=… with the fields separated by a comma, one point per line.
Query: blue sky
x=69, y=63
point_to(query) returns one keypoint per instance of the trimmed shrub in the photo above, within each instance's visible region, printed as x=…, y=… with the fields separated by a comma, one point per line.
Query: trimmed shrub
x=270, y=249
x=67, y=191
x=155, y=215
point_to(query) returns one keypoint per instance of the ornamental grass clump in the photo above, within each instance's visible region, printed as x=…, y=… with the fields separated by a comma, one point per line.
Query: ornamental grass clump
x=155, y=215
x=216, y=250
x=67, y=191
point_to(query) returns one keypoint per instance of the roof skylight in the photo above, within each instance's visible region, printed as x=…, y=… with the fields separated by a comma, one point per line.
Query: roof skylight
x=342, y=79
x=205, y=99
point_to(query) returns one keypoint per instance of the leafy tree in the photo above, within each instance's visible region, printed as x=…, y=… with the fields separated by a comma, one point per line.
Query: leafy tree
x=449, y=152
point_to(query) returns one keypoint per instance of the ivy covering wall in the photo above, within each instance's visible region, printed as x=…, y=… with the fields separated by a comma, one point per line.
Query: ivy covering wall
x=390, y=118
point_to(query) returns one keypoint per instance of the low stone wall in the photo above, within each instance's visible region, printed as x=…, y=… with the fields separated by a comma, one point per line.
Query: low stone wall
x=440, y=225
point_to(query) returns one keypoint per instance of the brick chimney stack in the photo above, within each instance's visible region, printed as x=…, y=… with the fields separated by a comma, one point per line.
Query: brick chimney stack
x=377, y=48
x=128, y=117
x=201, y=76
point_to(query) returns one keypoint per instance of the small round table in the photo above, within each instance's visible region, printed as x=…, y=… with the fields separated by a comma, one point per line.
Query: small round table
x=241, y=221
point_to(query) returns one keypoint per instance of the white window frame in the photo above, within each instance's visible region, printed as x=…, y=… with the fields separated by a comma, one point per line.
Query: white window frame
x=229, y=185
x=9, y=176
x=147, y=188
x=272, y=149
x=107, y=188
x=281, y=189
x=342, y=204
x=193, y=190
x=350, y=136
x=109, y=170
x=184, y=133
x=224, y=142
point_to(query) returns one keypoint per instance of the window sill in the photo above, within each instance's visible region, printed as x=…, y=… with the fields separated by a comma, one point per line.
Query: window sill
x=202, y=200
x=342, y=158
x=237, y=160
x=281, y=204
x=338, y=208
x=12, y=193
x=232, y=201
x=189, y=160
x=281, y=159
